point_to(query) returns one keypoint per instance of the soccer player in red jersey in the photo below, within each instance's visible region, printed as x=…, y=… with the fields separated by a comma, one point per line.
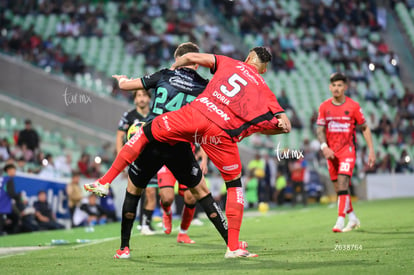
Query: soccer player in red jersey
x=337, y=121
x=235, y=104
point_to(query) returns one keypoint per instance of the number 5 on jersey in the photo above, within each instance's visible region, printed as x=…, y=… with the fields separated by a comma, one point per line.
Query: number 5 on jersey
x=234, y=81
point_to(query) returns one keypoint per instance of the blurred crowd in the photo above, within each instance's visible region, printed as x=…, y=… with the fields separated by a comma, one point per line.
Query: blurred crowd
x=17, y=215
x=346, y=33
x=24, y=150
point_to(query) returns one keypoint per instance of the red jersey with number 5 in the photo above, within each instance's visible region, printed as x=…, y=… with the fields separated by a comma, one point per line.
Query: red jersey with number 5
x=340, y=122
x=238, y=100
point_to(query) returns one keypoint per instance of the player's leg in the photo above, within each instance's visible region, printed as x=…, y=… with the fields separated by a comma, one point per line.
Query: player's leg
x=344, y=165
x=333, y=166
x=225, y=156
x=348, y=166
x=187, y=214
x=139, y=174
x=166, y=128
x=343, y=197
x=186, y=170
x=129, y=211
x=166, y=182
x=148, y=210
x=129, y=153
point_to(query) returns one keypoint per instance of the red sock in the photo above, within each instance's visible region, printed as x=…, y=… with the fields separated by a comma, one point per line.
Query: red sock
x=129, y=152
x=234, y=213
x=342, y=202
x=350, y=208
x=187, y=216
x=167, y=209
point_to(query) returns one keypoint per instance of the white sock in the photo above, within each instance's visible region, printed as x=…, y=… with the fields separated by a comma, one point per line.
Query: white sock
x=183, y=231
x=340, y=220
x=352, y=216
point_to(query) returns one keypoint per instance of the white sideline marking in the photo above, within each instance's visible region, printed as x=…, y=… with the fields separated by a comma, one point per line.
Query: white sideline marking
x=92, y=242
x=6, y=252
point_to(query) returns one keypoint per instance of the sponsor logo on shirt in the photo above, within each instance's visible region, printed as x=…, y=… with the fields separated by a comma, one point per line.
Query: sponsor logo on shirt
x=213, y=108
x=181, y=83
x=167, y=126
x=246, y=73
x=337, y=127
x=230, y=167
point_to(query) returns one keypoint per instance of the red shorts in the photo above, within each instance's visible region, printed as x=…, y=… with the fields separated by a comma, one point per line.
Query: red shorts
x=343, y=163
x=189, y=125
x=167, y=179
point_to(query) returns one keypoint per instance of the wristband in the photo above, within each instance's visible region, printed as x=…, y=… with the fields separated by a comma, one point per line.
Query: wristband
x=324, y=145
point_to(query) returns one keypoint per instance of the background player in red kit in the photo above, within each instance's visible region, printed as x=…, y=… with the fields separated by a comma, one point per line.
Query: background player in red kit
x=337, y=121
x=236, y=103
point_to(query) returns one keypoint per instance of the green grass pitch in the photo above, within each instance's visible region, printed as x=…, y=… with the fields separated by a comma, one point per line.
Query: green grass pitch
x=292, y=241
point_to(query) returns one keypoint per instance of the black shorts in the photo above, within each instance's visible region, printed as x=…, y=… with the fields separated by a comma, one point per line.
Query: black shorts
x=179, y=158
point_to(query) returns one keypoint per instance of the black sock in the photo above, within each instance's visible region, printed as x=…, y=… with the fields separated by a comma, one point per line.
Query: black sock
x=147, y=217
x=129, y=211
x=215, y=215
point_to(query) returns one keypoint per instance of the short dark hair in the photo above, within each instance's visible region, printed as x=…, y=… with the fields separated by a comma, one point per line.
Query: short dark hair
x=187, y=47
x=263, y=54
x=338, y=77
x=27, y=121
x=134, y=93
x=9, y=166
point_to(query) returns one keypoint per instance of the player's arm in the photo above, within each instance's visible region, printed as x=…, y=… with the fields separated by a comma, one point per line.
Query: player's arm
x=366, y=132
x=120, y=135
x=204, y=161
x=321, y=134
x=283, y=124
x=202, y=59
x=127, y=84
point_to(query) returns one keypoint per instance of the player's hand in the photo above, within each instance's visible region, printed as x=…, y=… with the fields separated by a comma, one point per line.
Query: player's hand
x=118, y=77
x=173, y=67
x=204, y=167
x=282, y=124
x=371, y=159
x=328, y=153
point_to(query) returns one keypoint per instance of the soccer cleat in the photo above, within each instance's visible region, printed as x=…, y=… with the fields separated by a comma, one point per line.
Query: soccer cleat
x=146, y=231
x=101, y=190
x=167, y=222
x=239, y=253
x=197, y=222
x=338, y=228
x=184, y=238
x=352, y=224
x=122, y=254
x=243, y=244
